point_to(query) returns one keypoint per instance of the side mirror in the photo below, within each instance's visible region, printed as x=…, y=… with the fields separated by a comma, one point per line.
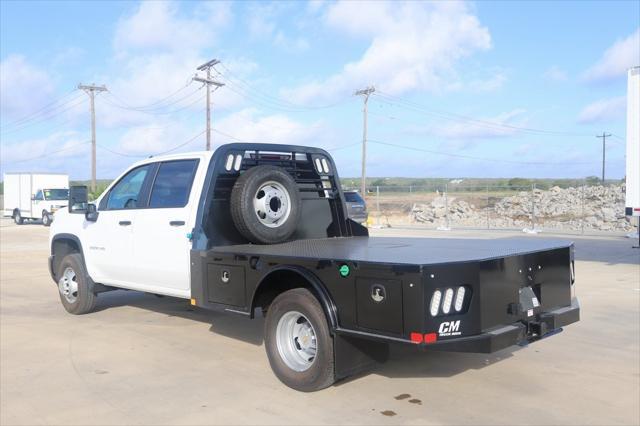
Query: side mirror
x=33, y=198
x=92, y=213
x=78, y=199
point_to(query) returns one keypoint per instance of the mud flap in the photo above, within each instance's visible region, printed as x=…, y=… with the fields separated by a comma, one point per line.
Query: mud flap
x=354, y=356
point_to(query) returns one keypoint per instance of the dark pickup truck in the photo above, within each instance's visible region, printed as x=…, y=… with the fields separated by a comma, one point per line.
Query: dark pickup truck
x=265, y=228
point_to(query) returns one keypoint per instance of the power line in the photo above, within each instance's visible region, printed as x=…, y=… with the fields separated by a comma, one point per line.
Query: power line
x=39, y=111
x=188, y=141
x=49, y=154
x=470, y=157
x=272, y=99
x=40, y=120
x=153, y=104
x=462, y=118
x=156, y=110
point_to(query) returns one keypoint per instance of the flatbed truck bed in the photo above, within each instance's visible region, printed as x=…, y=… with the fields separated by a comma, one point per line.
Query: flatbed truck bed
x=398, y=251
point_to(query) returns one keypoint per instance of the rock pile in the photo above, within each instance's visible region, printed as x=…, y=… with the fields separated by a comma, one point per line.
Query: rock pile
x=592, y=208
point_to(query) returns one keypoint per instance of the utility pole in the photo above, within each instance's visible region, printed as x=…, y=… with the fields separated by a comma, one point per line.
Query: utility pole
x=209, y=82
x=363, y=180
x=604, y=137
x=91, y=91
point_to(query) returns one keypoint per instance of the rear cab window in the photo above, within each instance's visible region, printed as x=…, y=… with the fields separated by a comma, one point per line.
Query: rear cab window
x=172, y=184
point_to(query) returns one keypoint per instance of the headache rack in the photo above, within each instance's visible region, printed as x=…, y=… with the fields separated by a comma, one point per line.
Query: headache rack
x=312, y=169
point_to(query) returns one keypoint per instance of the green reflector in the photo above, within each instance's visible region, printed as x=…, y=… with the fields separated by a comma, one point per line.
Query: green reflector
x=344, y=270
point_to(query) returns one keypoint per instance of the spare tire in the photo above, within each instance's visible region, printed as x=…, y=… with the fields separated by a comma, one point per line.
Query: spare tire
x=266, y=205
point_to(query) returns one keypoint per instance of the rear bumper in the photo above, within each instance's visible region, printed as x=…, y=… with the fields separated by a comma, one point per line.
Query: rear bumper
x=520, y=333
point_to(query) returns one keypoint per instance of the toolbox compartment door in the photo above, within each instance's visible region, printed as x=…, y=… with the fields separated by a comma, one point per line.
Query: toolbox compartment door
x=379, y=304
x=226, y=284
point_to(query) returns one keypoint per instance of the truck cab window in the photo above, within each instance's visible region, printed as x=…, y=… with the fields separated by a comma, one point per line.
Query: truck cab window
x=173, y=184
x=38, y=196
x=125, y=194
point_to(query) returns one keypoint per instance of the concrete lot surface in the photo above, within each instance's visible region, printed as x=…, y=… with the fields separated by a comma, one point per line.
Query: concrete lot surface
x=147, y=360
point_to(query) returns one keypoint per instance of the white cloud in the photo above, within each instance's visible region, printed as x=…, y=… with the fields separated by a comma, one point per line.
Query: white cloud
x=44, y=153
x=616, y=60
x=24, y=88
x=555, y=73
x=160, y=25
x=248, y=125
x=262, y=23
x=604, y=110
x=413, y=45
x=484, y=128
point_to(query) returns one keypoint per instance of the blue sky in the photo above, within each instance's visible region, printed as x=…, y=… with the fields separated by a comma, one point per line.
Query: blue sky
x=480, y=89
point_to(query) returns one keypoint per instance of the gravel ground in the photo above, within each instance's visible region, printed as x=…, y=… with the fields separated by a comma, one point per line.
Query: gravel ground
x=147, y=360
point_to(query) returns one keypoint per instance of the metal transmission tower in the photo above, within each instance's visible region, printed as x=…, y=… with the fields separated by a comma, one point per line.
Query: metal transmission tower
x=604, y=137
x=209, y=82
x=363, y=182
x=91, y=91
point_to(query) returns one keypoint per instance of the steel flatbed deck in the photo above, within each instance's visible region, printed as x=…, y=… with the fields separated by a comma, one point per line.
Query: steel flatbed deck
x=397, y=251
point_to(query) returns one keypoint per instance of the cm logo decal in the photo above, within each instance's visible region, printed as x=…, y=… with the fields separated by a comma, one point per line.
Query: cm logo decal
x=449, y=328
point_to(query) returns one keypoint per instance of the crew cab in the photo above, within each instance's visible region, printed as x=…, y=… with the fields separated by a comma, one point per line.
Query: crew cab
x=263, y=228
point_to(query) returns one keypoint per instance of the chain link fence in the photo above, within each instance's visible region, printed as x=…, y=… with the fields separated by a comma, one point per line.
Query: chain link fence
x=585, y=208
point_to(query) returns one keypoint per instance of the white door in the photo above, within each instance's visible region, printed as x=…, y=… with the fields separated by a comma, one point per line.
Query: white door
x=108, y=242
x=161, y=241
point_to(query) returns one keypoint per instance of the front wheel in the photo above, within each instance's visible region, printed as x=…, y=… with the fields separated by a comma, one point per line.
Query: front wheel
x=17, y=218
x=298, y=341
x=76, y=292
x=46, y=219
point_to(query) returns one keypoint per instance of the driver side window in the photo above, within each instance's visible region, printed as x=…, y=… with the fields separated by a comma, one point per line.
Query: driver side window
x=126, y=193
x=39, y=196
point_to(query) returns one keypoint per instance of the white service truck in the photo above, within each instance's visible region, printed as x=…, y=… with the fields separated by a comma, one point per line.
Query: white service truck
x=33, y=196
x=263, y=227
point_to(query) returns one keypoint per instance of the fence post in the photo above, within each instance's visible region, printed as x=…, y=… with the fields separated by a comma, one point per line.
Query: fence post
x=582, y=208
x=488, y=224
x=410, y=189
x=446, y=205
x=533, y=206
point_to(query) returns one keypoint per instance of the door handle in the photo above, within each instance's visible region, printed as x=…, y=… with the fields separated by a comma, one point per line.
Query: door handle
x=177, y=223
x=124, y=223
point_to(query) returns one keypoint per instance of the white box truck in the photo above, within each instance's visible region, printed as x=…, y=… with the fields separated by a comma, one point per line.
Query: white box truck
x=29, y=196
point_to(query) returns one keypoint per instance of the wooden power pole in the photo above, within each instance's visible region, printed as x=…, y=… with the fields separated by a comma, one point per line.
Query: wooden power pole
x=363, y=180
x=604, y=137
x=209, y=82
x=91, y=91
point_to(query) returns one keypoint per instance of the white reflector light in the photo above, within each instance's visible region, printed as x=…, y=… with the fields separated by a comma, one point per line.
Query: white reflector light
x=318, y=165
x=448, y=298
x=229, y=162
x=325, y=165
x=459, y=299
x=435, y=302
x=236, y=166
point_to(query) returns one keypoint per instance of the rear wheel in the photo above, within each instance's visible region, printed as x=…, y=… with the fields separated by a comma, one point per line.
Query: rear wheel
x=17, y=217
x=76, y=292
x=46, y=219
x=298, y=341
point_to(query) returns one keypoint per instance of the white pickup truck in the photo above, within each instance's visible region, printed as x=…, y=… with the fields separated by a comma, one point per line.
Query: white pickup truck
x=265, y=227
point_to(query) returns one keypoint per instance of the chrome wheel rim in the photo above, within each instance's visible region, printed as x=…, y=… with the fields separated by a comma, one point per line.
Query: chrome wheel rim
x=272, y=204
x=296, y=341
x=68, y=285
